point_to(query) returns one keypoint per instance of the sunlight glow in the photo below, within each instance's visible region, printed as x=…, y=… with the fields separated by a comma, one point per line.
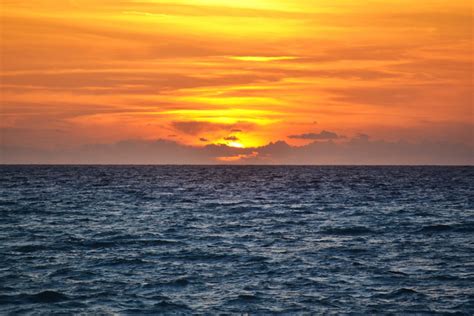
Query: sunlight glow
x=235, y=144
x=226, y=116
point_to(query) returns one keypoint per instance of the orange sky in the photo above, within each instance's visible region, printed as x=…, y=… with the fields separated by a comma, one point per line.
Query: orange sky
x=242, y=73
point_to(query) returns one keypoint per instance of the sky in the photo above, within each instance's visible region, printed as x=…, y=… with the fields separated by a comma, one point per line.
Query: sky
x=249, y=81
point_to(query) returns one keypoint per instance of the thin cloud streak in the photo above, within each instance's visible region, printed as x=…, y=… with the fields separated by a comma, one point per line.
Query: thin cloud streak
x=323, y=135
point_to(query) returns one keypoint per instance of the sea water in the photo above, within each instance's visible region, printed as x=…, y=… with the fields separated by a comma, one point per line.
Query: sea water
x=236, y=239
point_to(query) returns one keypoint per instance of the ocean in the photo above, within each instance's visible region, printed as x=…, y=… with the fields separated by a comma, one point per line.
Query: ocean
x=180, y=240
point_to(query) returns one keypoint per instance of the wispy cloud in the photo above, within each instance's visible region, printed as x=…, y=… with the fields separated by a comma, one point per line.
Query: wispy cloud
x=323, y=135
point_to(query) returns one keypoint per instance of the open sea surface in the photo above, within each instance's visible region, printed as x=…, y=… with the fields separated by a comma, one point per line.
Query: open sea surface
x=106, y=240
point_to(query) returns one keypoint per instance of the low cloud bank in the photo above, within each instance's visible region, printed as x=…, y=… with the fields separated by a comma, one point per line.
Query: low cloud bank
x=356, y=151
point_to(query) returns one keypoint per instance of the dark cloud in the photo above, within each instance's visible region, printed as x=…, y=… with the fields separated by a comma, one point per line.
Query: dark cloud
x=363, y=137
x=202, y=139
x=231, y=138
x=194, y=128
x=323, y=135
x=356, y=151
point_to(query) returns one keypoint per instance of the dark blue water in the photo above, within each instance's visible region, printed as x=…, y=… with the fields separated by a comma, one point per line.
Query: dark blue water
x=261, y=240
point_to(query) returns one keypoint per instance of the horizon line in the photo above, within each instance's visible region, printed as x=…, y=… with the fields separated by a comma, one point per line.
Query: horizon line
x=230, y=165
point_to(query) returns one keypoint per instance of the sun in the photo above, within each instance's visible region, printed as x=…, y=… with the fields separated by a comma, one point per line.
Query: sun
x=235, y=144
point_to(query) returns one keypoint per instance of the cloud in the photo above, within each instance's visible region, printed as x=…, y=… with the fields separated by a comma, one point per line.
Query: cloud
x=238, y=158
x=323, y=135
x=194, y=128
x=402, y=94
x=119, y=81
x=202, y=139
x=356, y=151
x=362, y=137
x=231, y=138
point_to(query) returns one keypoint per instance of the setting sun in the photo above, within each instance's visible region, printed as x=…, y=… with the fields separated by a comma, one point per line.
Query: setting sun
x=235, y=144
